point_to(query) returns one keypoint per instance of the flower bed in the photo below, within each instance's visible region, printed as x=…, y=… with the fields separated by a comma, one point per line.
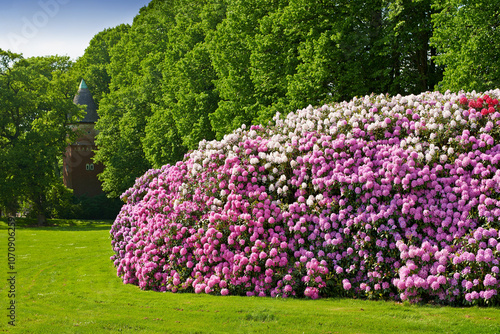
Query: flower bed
x=379, y=197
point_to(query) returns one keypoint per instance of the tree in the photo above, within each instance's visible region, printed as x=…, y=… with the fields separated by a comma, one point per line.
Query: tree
x=36, y=108
x=281, y=55
x=466, y=35
x=188, y=75
x=161, y=92
x=133, y=91
x=411, y=56
x=230, y=47
x=315, y=52
x=192, y=70
x=93, y=65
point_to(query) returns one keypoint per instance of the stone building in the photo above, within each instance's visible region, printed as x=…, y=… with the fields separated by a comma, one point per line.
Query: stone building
x=79, y=171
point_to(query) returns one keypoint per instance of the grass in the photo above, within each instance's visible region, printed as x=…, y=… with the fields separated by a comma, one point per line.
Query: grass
x=65, y=283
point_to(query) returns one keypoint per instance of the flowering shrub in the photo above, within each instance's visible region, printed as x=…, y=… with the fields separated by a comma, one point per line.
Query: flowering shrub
x=379, y=197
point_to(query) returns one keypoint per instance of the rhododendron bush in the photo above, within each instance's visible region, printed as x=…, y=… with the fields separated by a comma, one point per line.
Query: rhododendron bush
x=379, y=197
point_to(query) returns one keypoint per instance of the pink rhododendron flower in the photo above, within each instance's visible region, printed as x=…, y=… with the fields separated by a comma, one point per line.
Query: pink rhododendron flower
x=397, y=195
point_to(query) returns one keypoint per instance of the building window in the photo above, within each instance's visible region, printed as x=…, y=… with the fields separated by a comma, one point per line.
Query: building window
x=89, y=166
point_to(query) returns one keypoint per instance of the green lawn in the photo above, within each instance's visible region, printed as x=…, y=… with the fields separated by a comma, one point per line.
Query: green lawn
x=65, y=283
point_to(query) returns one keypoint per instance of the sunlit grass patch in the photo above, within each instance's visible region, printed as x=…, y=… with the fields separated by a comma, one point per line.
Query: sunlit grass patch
x=66, y=281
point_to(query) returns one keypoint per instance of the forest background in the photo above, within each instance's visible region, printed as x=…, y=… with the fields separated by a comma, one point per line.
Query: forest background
x=186, y=71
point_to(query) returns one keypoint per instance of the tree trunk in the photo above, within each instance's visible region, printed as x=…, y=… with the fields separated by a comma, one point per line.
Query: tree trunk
x=42, y=220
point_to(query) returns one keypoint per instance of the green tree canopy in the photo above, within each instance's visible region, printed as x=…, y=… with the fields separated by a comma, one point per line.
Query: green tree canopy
x=192, y=70
x=466, y=35
x=93, y=65
x=134, y=90
x=161, y=91
x=35, y=113
x=278, y=56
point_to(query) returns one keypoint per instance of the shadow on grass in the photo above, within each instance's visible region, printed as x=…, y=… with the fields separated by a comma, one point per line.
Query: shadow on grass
x=60, y=224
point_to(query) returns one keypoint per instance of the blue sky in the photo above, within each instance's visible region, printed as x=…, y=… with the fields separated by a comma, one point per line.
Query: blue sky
x=62, y=27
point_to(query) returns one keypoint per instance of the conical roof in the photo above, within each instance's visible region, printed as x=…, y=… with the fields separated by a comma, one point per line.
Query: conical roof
x=83, y=97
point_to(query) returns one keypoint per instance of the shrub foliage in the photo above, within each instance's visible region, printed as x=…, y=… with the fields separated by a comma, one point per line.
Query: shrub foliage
x=379, y=197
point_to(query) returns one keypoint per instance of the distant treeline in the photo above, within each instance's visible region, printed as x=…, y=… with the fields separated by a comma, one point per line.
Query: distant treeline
x=188, y=70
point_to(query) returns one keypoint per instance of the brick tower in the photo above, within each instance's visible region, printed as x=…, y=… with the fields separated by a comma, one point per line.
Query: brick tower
x=79, y=171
